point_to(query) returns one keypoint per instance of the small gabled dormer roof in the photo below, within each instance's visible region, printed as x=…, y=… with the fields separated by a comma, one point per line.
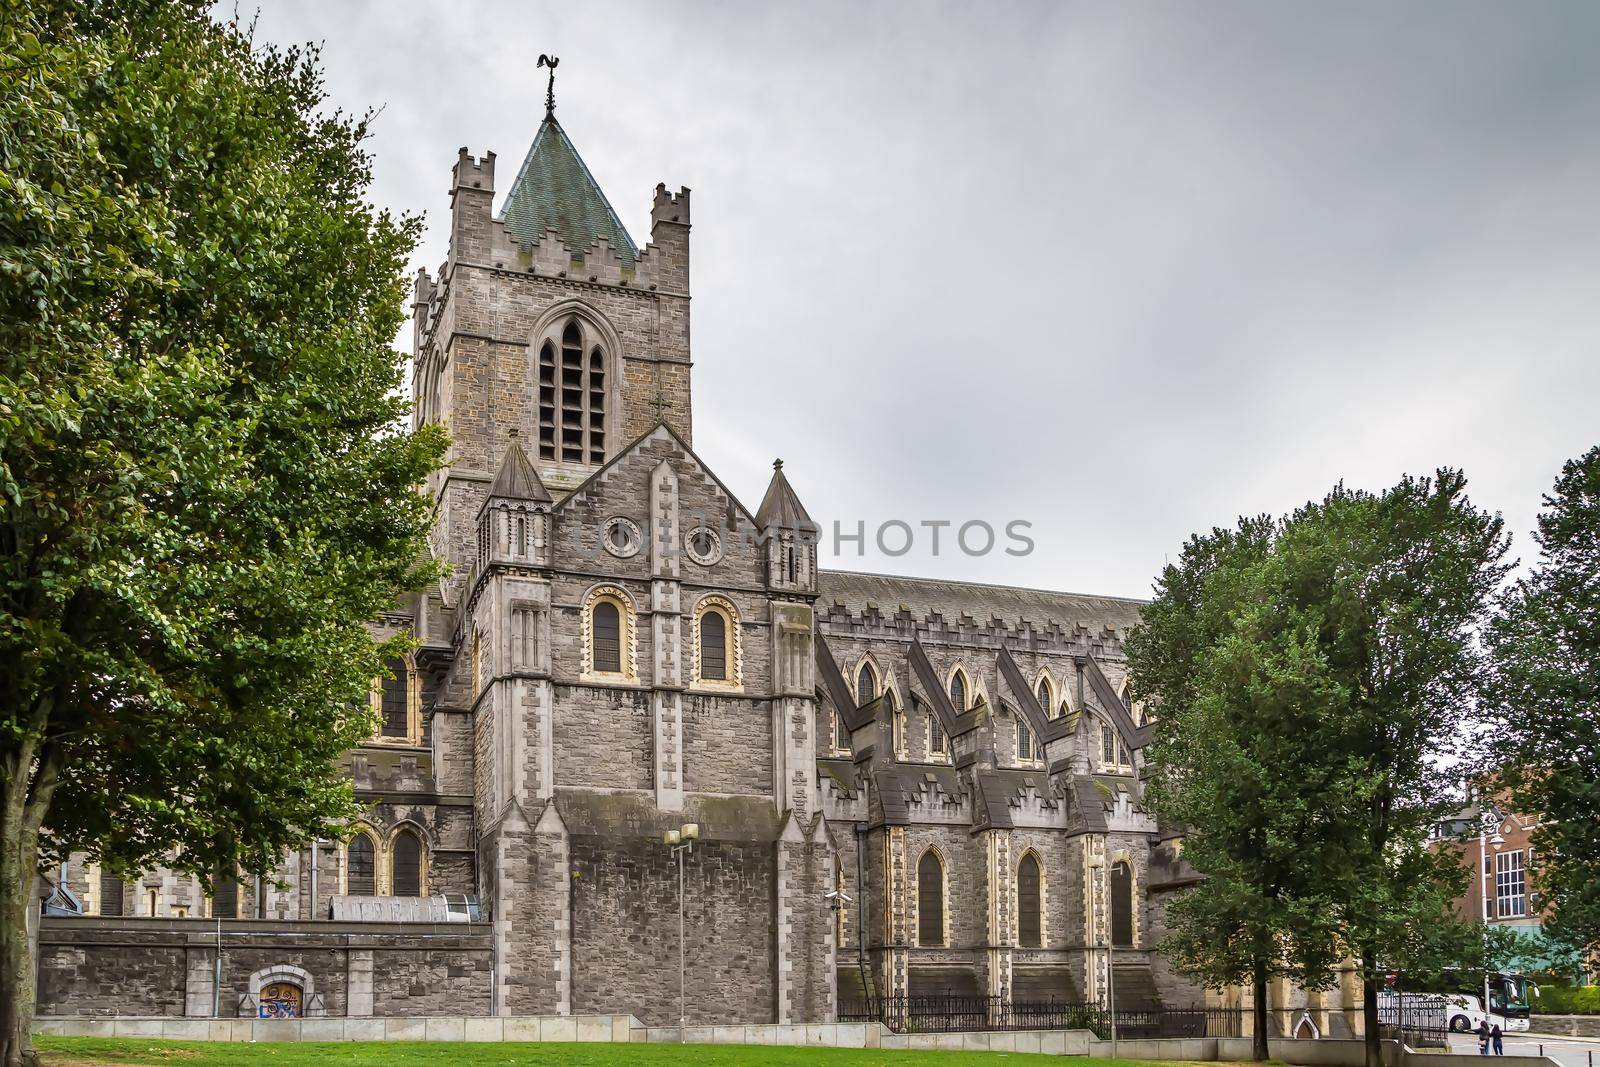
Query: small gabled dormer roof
x=517, y=478
x=555, y=191
x=781, y=508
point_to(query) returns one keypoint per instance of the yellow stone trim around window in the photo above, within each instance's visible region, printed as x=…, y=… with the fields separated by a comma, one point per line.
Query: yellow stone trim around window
x=734, y=682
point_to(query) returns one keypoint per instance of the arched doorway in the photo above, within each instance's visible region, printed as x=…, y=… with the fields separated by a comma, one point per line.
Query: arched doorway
x=280, y=1000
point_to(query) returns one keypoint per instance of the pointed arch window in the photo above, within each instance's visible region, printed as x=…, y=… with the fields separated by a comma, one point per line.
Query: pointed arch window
x=930, y=899
x=958, y=690
x=1029, y=926
x=572, y=397
x=360, y=867
x=1114, y=754
x=407, y=865
x=396, y=698
x=866, y=685
x=1121, y=904
x=397, y=701
x=1047, y=699
x=1027, y=748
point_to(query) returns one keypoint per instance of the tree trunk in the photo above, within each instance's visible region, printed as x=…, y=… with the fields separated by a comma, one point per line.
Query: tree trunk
x=1258, y=1040
x=30, y=775
x=1369, y=1008
x=19, y=862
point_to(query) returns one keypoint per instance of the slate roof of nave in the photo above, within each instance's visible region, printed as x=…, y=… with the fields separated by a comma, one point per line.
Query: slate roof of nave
x=1012, y=605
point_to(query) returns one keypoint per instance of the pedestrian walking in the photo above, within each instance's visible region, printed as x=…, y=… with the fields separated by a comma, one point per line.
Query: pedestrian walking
x=1483, y=1037
x=1499, y=1045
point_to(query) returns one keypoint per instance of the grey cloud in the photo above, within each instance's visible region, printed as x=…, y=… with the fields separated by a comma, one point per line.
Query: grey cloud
x=1124, y=270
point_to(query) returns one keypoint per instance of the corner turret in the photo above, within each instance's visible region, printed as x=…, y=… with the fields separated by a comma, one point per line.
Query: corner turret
x=790, y=536
x=514, y=521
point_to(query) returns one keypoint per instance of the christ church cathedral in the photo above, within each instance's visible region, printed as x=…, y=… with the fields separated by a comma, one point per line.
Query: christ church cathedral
x=896, y=786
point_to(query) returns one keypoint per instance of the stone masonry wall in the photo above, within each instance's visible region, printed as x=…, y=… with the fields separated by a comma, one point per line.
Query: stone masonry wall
x=94, y=966
x=625, y=930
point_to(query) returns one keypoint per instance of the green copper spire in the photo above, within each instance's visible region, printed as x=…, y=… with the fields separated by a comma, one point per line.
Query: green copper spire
x=554, y=190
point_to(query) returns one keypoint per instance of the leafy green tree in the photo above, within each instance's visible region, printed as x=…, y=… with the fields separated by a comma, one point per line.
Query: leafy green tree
x=204, y=489
x=1229, y=768
x=1310, y=673
x=1546, y=705
x=1390, y=590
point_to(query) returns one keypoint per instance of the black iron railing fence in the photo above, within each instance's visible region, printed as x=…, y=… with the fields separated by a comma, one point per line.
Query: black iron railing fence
x=957, y=1013
x=1413, y=1018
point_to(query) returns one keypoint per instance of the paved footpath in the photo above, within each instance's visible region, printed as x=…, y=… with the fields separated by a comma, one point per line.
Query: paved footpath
x=1567, y=1051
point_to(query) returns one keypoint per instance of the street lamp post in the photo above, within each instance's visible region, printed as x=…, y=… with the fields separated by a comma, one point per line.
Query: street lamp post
x=1488, y=832
x=680, y=841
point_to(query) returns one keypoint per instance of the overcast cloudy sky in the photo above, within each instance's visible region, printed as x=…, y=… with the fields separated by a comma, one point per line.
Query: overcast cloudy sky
x=1123, y=271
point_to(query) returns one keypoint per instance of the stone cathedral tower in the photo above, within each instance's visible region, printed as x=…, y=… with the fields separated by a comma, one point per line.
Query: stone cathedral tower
x=627, y=646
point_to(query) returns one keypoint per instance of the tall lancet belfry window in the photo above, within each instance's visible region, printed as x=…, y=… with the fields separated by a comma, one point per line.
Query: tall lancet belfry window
x=572, y=398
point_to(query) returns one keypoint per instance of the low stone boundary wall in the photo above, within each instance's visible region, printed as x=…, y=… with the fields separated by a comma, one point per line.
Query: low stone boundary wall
x=1304, y=1052
x=1445, y=1059
x=600, y=1028
x=1324, y=1052
x=1328, y=1052
x=439, y=1028
x=1565, y=1025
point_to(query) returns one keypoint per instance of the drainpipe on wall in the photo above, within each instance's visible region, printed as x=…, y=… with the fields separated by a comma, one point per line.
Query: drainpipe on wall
x=216, y=977
x=314, y=844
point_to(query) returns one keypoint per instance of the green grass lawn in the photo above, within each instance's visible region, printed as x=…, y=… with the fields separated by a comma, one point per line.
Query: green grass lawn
x=86, y=1051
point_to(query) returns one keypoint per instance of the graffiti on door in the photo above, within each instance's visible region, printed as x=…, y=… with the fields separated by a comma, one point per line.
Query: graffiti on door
x=280, y=1000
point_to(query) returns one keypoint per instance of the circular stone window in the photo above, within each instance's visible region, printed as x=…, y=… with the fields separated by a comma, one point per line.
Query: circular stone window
x=705, y=548
x=622, y=538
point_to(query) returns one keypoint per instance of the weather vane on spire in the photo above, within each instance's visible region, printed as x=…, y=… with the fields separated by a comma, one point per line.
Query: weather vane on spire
x=550, y=90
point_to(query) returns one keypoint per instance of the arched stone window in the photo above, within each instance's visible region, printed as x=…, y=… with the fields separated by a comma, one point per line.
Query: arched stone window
x=1029, y=902
x=361, y=866
x=572, y=395
x=406, y=864
x=1047, y=697
x=395, y=698
x=714, y=646
x=930, y=899
x=398, y=702
x=110, y=892
x=608, y=642
x=1114, y=755
x=866, y=685
x=718, y=656
x=958, y=690
x=1027, y=750
x=1121, y=904
x=607, y=638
